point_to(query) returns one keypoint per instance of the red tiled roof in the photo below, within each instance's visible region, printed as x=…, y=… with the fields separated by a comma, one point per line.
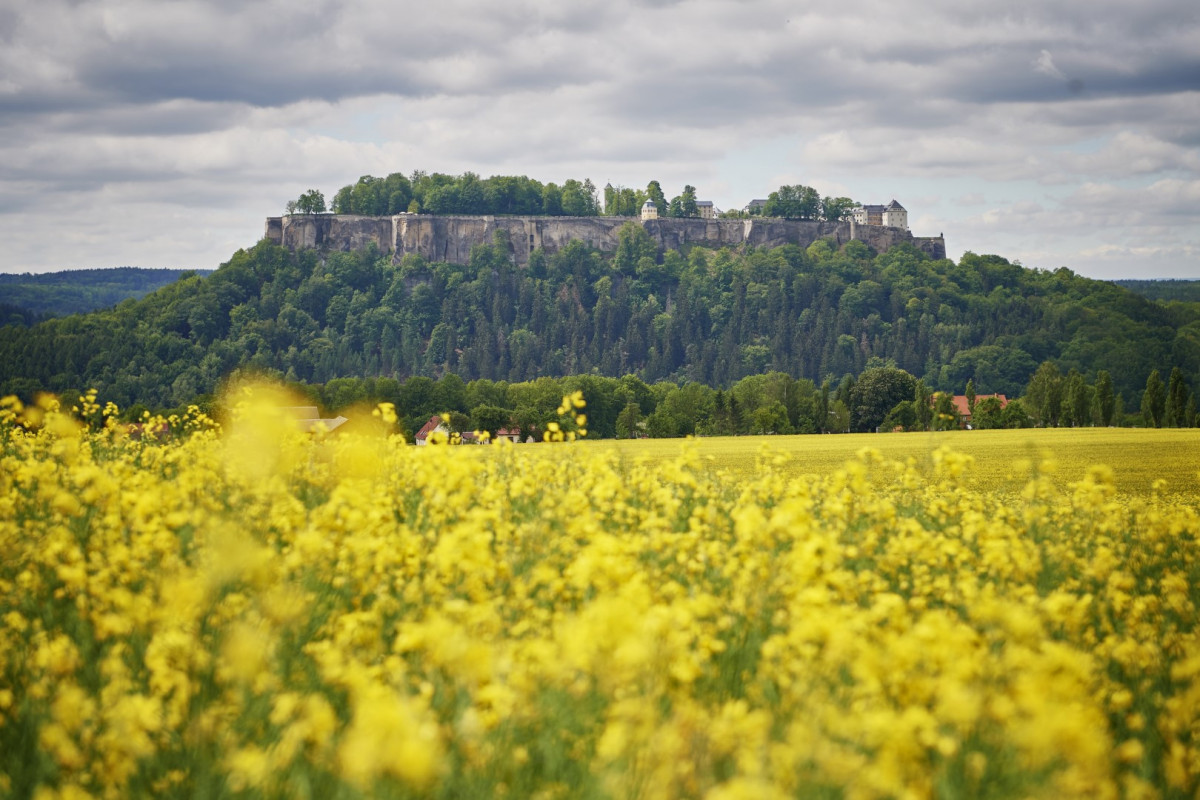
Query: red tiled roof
x=963, y=409
x=428, y=427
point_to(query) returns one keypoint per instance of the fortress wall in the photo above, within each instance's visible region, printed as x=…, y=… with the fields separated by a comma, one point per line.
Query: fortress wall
x=450, y=238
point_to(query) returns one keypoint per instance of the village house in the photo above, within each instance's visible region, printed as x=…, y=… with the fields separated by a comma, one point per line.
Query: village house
x=435, y=424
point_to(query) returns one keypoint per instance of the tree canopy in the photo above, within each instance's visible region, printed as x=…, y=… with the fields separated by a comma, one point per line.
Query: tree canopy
x=437, y=193
x=804, y=202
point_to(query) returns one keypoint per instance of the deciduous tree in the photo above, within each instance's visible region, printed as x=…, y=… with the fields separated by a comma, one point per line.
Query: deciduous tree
x=877, y=392
x=1154, y=400
x=1103, y=403
x=1177, y=393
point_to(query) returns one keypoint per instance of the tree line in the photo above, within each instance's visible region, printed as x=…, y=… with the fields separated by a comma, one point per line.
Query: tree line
x=704, y=317
x=882, y=398
x=437, y=193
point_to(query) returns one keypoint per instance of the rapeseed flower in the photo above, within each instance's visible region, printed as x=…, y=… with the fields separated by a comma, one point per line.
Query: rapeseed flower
x=264, y=610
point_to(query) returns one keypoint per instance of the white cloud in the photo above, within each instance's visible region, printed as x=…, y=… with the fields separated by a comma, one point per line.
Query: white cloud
x=1045, y=65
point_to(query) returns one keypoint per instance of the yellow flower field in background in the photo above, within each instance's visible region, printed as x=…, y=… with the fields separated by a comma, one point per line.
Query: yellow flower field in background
x=1003, y=459
x=252, y=612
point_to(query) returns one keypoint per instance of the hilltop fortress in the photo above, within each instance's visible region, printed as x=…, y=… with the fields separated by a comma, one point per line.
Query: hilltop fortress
x=450, y=238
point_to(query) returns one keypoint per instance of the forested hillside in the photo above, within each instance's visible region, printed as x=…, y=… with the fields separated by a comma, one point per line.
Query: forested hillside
x=1168, y=290
x=75, y=291
x=707, y=317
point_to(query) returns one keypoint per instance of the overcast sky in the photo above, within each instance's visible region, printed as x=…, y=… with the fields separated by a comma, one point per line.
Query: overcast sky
x=161, y=134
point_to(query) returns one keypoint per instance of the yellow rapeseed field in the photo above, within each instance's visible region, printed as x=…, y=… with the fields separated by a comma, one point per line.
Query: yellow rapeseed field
x=253, y=612
x=1002, y=459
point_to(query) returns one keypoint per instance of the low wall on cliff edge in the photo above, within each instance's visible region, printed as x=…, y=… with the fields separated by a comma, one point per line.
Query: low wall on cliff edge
x=450, y=238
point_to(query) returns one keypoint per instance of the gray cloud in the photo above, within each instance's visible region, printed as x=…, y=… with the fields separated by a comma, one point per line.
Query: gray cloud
x=220, y=110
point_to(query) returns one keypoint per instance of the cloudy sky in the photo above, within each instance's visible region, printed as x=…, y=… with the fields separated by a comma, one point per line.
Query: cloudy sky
x=161, y=134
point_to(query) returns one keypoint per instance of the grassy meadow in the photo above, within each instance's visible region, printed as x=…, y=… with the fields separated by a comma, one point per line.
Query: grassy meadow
x=251, y=612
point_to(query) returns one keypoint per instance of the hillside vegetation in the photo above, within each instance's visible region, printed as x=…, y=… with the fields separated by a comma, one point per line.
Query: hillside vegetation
x=25, y=297
x=1166, y=290
x=706, y=317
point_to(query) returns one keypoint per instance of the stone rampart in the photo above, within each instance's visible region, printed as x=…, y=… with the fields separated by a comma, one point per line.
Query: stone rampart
x=450, y=238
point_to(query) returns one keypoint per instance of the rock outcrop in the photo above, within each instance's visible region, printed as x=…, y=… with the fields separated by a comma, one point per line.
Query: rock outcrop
x=450, y=238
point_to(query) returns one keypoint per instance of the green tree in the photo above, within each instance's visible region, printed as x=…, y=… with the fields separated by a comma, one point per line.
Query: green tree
x=1177, y=394
x=836, y=209
x=654, y=193
x=793, y=202
x=988, y=414
x=875, y=393
x=839, y=417
x=687, y=202
x=1103, y=402
x=578, y=200
x=903, y=416
x=945, y=416
x=970, y=394
x=923, y=406
x=771, y=418
x=1154, y=400
x=629, y=421
x=310, y=202
x=552, y=200
x=1045, y=394
x=1016, y=416
x=491, y=418
x=1076, y=400
x=450, y=393
x=633, y=244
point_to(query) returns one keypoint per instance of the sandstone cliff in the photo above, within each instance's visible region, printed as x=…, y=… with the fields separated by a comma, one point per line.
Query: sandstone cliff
x=450, y=238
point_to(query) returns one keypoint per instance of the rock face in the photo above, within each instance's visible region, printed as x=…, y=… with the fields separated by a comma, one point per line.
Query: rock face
x=330, y=231
x=450, y=238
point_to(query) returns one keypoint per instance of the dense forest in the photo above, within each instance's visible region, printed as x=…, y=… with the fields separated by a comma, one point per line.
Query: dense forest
x=1183, y=291
x=707, y=317
x=26, y=297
